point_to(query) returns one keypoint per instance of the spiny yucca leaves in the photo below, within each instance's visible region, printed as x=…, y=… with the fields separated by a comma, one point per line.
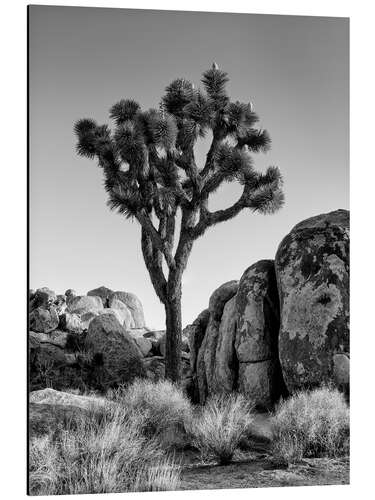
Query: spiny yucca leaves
x=92, y=139
x=130, y=145
x=266, y=199
x=255, y=140
x=164, y=130
x=237, y=117
x=178, y=94
x=124, y=110
x=231, y=160
x=214, y=81
x=272, y=176
x=199, y=109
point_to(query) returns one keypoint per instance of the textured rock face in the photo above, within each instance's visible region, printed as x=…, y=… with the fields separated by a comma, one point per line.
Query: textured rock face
x=117, y=356
x=124, y=314
x=82, y=304
x=133, y=303
x=103, y=292
x=44, y=320
x=49, y=409
x=61, y=358
x=226, y=363
x=71, y=322
x=195, y=334
x=257, y=312
x=206, y=360
x=240, y=349
x=57, y=338
x=312, y=267
x=44, y=297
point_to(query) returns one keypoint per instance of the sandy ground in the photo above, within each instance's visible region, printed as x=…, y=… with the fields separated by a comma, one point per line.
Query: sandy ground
x=255, y=469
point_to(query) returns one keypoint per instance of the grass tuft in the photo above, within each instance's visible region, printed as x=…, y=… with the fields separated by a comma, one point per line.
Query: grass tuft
x=311, y=424
x=100, y=453
x=220, y=425
x=161, y=408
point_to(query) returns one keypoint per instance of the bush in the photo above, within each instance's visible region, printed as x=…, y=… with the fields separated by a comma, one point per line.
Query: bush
x=161, y=409
x=164, y=476
x=102, y=453
x=311, y=424
x=220, y=425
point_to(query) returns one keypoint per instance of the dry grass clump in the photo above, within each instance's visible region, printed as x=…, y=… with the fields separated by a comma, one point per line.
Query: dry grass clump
x=219, y=426
x=102, y=453
x=311, y=424
x=164, y=476
x=161, y=409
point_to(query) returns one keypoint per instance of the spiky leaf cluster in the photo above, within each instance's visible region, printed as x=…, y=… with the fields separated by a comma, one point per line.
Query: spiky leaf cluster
x=148, y=158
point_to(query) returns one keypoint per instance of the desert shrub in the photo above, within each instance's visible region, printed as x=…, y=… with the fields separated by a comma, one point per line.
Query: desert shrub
x=218, y=428
x=311, y=424
x=102, y=453
x=164, y=476
x=160, y=408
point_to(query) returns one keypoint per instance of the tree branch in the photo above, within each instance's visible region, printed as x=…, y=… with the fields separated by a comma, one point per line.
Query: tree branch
x=208, y=219
x=157, y=241
x=154, y=266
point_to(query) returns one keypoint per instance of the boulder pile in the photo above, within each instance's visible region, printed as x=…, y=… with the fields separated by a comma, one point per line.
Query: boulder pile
x=92, y=342
x=284, y=326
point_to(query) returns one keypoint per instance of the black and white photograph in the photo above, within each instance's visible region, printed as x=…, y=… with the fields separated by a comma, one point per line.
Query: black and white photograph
x=188, y=250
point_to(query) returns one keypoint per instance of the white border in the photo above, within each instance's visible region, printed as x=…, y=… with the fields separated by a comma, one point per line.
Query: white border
x=13, y=240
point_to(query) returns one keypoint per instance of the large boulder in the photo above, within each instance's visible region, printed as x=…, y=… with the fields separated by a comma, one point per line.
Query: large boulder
x=256, y=338
x=83, y=304
x=51, y=410
x=116, y=355
x=312, y=268
x=103, y=292
x=53, y=397
x=133, y=303
x=44, y=320
x=226, y=364
x=50, y=365
x=206, y=360
x=123, y=313
x=51, y=419
x=195, y=334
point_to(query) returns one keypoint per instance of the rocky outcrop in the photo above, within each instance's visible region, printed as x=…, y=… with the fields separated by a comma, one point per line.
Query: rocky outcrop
x=124, y=314
x=195, y=335
x=103, y=292
x=82, y=304
x=133, y=303
x=239, y=349
x=49, y=410
x=117, y=356
x=256, y=342
x=59, y=324
x=44, y=297
x=206, y=359
x=312, y=266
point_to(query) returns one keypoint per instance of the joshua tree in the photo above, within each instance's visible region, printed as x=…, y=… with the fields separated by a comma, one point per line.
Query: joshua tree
x=151, y=175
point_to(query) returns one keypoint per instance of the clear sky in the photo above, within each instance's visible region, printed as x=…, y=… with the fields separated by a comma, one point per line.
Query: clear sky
x=82, y=60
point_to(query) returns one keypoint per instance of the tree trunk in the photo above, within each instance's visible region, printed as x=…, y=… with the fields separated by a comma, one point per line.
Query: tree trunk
x=173, y=339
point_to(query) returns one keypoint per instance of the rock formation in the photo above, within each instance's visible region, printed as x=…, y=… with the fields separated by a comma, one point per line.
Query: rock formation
x=312, y=267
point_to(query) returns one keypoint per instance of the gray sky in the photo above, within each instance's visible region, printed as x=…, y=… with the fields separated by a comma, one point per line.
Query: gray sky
x=82, y=60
